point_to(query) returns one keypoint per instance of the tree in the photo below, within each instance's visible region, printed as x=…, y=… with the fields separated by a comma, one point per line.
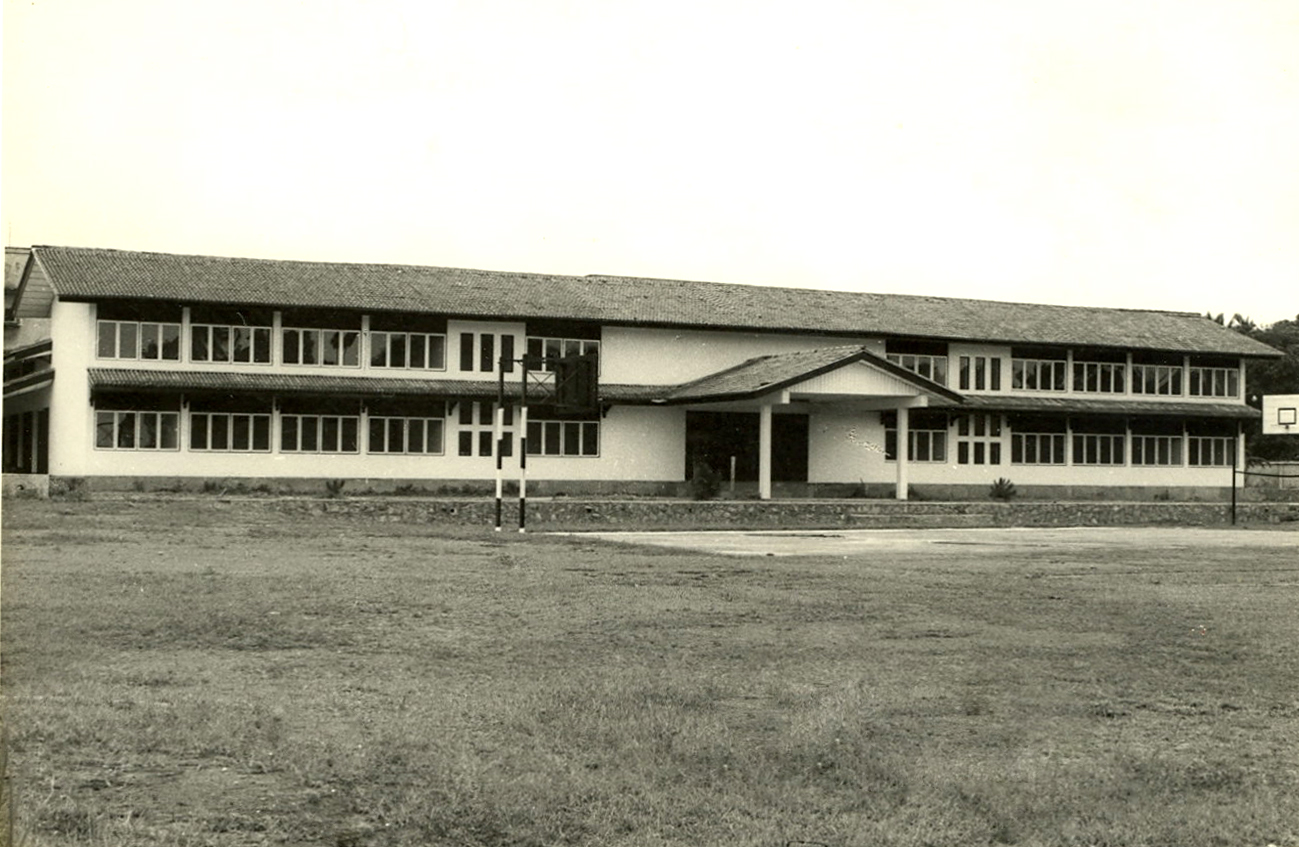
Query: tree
x=1271, y=376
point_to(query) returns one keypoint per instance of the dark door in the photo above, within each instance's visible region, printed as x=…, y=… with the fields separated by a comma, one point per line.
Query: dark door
x=715, y=437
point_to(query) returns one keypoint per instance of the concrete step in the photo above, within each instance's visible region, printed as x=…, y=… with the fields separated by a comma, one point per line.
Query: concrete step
x=918, y=521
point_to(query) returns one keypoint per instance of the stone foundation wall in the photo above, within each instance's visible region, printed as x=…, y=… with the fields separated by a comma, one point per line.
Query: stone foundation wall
x=564, y=513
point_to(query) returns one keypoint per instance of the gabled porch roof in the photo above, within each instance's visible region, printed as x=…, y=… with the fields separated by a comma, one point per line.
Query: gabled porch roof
x=765, y=375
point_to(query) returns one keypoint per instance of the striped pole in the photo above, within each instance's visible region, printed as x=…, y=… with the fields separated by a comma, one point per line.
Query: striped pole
x=523, y=449
x=498, y=427
x=523, y=468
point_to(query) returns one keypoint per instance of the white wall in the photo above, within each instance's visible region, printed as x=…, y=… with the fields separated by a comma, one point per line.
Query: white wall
x=637, y=355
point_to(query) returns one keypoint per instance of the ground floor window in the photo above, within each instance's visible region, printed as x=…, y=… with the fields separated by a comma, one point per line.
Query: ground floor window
x=133, y=430
x=477, y=429
x=926, y=436
x=1156, y=450
x=230, y=432
x=1210, y=451
x=318, y=433
x=978, y=440
x=553, y=434
x=1037, y=448
x=406, y=435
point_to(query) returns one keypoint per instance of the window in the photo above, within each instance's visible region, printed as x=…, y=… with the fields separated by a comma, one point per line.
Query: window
x=414, y=350
x=1156, y=442
x=1214, y=381
x=1211, y=451
x=477, y=429
x=1037, y=369
x=478, y=351
x=327, y=347
x=421, y=436
x=1157, y=450
x=138, y=330
x=1157, y=379
x=1098, y=441
x=554, y=348
x=980, y=373
x=1098, y=377
x=415, y=427
x=1210, y=444
x=1037, y=440
x=553, y=434
x=926, y=436
x=978, y=440
x=318, y=433
x=137, y=430
x=234, y=432
x=926, y=358
x=226, y=343
x=321, y=337
x=228, y=334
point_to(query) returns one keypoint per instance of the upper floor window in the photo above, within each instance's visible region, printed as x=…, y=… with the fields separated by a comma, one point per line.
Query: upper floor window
x=1038, y=369
x=481, y=351
x=230, y=335
x=556, y=339
x=1157, y=379
x=555, y=348
x=321, y=337
x=980, y=373
x=140, y=331
x=926, y=358
x=1099, y=371
x=414, y=342
x=1213, y=377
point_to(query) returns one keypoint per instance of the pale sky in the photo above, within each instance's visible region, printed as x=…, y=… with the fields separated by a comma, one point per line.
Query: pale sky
x=1138, y=154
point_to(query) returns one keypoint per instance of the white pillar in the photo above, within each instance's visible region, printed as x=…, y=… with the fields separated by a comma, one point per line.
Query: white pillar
x=764, y=452
x=904, y=440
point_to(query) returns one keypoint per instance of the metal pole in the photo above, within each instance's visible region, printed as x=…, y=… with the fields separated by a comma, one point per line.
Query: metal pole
x=1235, y=449
x=498, y=425
x=523, y=452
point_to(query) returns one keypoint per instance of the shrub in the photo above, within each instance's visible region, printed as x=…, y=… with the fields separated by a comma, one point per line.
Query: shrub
x=334, y=487
x=1003, y=489
x=705, y=483
x=76, y=488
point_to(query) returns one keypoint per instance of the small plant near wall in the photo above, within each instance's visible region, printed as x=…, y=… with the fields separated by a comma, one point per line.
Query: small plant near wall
x=705, y=483
x=334, y=488
x=1003, y=489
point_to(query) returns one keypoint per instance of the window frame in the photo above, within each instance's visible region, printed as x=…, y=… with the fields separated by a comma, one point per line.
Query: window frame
x=118, y=415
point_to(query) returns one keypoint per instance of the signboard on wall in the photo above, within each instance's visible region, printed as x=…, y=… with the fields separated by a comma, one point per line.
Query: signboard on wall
x=1281, y=414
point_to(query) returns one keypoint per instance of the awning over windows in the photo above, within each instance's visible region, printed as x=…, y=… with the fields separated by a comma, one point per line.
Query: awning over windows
x=1116, y=406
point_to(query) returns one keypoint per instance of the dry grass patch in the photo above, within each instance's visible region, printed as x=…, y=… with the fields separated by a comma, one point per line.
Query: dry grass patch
x=256, y=679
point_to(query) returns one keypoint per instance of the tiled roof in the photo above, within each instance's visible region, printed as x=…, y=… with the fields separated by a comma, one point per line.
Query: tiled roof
x=90, y=274
x=765, y=374
x=140, y=379
x=1117, y=406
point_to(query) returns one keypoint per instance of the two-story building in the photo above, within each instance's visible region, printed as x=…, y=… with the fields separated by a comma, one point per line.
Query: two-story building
x=152, y=368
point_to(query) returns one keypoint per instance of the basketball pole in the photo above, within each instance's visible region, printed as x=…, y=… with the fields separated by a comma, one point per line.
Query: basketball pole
x=1235, y=451
x=498, y=424
x=523, y=447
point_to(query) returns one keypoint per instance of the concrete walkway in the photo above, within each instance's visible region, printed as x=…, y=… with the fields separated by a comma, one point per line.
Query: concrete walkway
x=848, y=542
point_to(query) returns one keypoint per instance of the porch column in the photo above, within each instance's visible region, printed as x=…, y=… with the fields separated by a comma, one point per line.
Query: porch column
x=904, y=441
x=764, y=452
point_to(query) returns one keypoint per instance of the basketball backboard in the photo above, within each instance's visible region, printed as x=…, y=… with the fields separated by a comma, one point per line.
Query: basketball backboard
x=1281, y=414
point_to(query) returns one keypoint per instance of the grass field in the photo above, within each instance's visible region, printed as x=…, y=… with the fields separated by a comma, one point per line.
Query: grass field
x=201, y=673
